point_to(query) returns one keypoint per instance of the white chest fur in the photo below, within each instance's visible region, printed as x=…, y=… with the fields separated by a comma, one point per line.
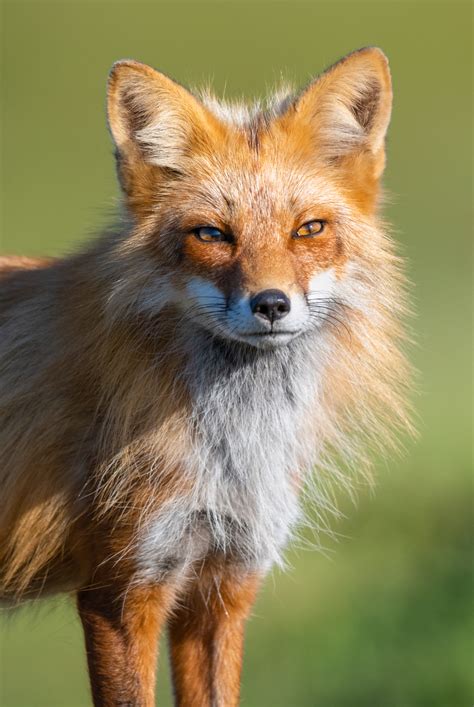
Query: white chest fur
x=252, y=436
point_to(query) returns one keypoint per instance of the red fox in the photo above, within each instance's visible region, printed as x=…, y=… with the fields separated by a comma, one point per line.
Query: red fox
x=166, y=392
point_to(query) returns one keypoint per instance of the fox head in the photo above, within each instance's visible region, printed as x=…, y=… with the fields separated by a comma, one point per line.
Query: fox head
x=252, y=221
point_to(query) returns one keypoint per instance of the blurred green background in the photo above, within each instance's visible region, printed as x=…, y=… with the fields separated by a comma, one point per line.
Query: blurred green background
x=383, y=617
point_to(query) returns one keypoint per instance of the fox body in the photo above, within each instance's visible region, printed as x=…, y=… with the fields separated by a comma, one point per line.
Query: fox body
x=165, y=393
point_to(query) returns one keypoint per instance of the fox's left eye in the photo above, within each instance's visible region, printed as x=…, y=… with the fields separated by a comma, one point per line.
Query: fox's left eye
x=209, y=234
x=309, y=229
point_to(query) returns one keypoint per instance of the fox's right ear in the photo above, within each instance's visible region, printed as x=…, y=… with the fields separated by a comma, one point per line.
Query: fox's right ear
x=155, y=124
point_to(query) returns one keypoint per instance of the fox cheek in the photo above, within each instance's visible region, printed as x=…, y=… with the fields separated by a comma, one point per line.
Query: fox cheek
x=322, y=284
x=205, y=257
x=204, y=296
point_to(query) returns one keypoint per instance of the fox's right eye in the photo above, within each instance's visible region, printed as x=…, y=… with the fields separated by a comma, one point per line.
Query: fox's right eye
x=209, y=234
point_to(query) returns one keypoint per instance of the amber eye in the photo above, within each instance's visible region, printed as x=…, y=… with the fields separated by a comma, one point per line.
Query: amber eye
x=310, y=229
x=209, y=234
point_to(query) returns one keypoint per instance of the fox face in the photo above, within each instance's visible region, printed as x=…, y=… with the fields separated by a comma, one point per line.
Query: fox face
x=251, y=219
x=258, y=262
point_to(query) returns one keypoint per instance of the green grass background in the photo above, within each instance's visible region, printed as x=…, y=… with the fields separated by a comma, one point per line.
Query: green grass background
x=383, y=618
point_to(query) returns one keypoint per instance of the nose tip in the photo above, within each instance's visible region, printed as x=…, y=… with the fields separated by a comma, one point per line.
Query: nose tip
x=270, y=304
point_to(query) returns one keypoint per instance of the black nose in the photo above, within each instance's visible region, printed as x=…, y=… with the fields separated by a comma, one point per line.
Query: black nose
x=270, y=304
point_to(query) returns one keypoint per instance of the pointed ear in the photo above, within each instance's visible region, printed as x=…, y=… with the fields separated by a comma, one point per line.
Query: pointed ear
x=155, y=124
x=348, y=108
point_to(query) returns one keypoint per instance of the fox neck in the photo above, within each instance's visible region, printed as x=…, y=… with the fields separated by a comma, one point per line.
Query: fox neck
x=251, y=425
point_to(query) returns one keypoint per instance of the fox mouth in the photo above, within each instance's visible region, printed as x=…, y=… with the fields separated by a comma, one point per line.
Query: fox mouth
x=270, y=334
x=267, y=339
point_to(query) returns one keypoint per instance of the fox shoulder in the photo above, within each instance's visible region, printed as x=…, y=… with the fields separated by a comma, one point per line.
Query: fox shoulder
x=11, y=263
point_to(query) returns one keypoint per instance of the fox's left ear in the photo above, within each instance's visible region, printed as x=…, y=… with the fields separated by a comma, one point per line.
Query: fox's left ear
x=348, y=109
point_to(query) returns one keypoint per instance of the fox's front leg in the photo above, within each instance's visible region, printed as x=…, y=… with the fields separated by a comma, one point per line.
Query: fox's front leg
x=121, y=634
x=206, y=638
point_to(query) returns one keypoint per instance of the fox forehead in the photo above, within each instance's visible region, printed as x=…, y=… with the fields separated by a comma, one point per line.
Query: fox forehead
x=254, y=196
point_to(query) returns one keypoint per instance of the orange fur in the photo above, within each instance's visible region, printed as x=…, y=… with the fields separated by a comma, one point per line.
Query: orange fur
x=122, y=642
x=206, y=636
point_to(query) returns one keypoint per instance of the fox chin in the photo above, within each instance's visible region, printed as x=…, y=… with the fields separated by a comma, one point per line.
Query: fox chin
x=170, y=393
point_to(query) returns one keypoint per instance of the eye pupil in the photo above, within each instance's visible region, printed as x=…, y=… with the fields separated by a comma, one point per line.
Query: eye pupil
x=311, y=228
